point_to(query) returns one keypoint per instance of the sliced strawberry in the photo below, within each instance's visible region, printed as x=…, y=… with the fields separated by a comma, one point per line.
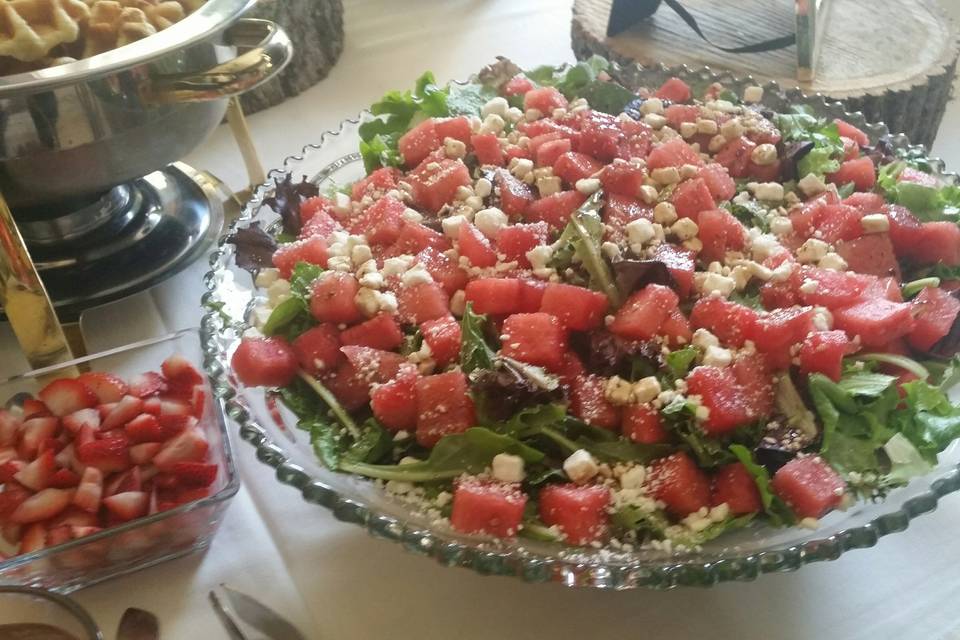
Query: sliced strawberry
x=35, y=431
x=90, y=490
x=105, y=455
x=145, y=428
x=153, y=405
x=106, y=386
x=64, y=479
x=12, y=496
x=128, y=408
x=50, y=444
x=11, y=532
x=83, y=532
x=105, y=409
x=194, y=474
x=153, y=506
x=74, y=516
x=59, y=535
x=184, y=496
x=37, y=474
x=189, y=446
x=9, y=469
x=86, y=434
x=34, y=538
x=170, y=407
x=173, y=424
x=78, y=419
x=178, y=368
x=116, y=435
x=67, y=395
x=42, y=506
x=128, y=505
x=124, y=482
x=147, y=384
x=33, y=408
x=198, y=400
x=179, y=389
x=9, y=428
x=144, y=452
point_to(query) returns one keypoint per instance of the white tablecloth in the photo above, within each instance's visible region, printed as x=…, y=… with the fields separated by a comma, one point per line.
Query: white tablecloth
x=336, y=583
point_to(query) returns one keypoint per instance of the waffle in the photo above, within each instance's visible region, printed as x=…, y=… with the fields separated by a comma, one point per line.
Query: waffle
x=29, y=29
x=160, y=13
x=113, y=25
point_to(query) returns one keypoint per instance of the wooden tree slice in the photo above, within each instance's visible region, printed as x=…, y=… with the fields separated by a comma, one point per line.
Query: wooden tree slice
x=316, y=29
x=894, y=60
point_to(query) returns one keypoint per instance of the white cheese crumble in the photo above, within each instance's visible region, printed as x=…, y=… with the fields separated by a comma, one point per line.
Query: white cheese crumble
x=812, y=250
x=618, y=391
x=490, y=221
x=415, y=275
x=665, y=213
x=811, y=185
x=717, y=357
x=580, y=466
x=832, y=261
x=703, y=339
x=587, y=186
x=266, y=277
x=875, y=223
x=753, y=94
x=770, y=191
x=451, y=226
x=646, y=389
x=639, y=232
x=498, y=106
x=633, y=478
x=684, y=229
x=507, y=468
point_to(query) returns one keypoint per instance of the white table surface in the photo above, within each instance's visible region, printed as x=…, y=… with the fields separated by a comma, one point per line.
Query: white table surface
x=336, y=583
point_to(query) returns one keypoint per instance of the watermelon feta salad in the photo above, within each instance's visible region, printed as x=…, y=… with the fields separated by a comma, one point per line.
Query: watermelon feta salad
x=561, y=309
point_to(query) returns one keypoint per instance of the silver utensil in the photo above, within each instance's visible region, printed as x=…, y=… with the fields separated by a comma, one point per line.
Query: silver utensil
x=241, y=614
x=138, y=624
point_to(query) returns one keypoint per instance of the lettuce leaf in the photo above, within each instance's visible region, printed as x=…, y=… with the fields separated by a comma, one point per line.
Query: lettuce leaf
x=929, y=204
x=801, y=126
x=570, y=80
x=579, y=248
x=775, y=508
x=475, y=352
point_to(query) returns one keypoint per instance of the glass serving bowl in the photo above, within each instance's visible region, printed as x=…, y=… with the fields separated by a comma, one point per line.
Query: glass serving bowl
x=738, y=555
x=28, y=605
x=145, y=541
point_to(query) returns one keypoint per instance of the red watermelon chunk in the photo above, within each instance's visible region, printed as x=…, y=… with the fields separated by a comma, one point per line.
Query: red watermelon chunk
x=839, y=222
x=909, y=174
x=642, y=423
x=721, y=395
x=673, y=153
x=515, y=196
x=492, y=508
x=268, y=362
x=872, y=254
x=619, y=211
x=419, y=142
x=379, y=181
x=691, y=197
x=680, y=484
x=823, y=352
x=936, y=311
x=548, y=152
x=622, y=178
x=876, y=321
x=457, y=128
x=734, y=486
x=589, y=403
x=382, y=222
x=677, y=114
x=421, y=302
x=579, y=511
x=849, y=131
x=719, y=231
x=544, y=100
x=718, y=181
x=332, y=298
x=574, y=307
x=729, y=321
x=487, y=149
x=809, y=486
x=516, y=240
x=859, y=171
x=555, y=209
x=435, y=182
x=735, y=156
x=475, y=247
x=939, y=242
x=644, y=312
x=674, y=90
x=497, y=296
x=318, y=349
x=394, y=403
x=535, y=338
x=312, y=250
x=831, y=289
x=379, y=332
x=680, y=263
x=444, y=406
x=443, y=269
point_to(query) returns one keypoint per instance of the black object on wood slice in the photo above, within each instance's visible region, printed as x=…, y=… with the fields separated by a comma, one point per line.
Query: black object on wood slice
x=894, y=60
x=316, y=29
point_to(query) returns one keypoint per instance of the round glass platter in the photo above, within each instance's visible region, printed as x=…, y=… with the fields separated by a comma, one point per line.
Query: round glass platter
x=738, y=555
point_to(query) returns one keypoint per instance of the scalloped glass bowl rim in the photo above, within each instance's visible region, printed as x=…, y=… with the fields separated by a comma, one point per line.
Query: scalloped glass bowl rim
x=542, y=562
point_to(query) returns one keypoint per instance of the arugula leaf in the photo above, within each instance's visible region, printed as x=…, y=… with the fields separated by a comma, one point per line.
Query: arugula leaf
x=292, y=317
x=775, y=508
x=469, y=452
x=751, y=213
x=749, y=297
x=680, y=417
x=679, y=361
x=468, y=99
x=581, y=239
x=539, y=531
x=801, y=126
x=570, y=80
x=846, y=190
x=688, y=538
x=397, y=112
x=905, y=363
x=866, y=383
x=606, y=96
x=373, y=444
x=622, y=450
x=326, y=442
x=285, y=315
x=929, y=204
x=330, y=400
x=530, y=421
x=475, y=352
x=910, y=289
x=656, y=525
x=302, y=277
x=633, y=518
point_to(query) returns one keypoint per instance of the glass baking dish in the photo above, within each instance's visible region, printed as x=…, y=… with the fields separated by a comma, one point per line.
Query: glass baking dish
x=146, y=541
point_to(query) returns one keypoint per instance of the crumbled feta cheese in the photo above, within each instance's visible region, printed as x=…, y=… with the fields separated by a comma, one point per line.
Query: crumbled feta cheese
x=684, y=228
x=646, y=389
x=508, y=467
x=532, y=114
x=492, y=124
x=580, y=466
x=764, y=154
x=483, y=187
x=715, y=283
x=822, y=319
x=716, y=143
x=498, y=105
x=454, y=149
x=812, y=250
x=753, y=94
x=688, y=171
x=723, y=106
x=618, y=391
x=708, y=127
x=703, y=339
x=558, y=113
x=717, y=357
x=611, y=251
x=741, y=276
x=655, y=120
x=648, y=193
x=412, y=215
x=547, y=186
x=732, y=129
x=342, y=205
x=809, y=286
x=633, y=478
x=539, y=256
x=832, y=261
x=372, y=280
x=763, y=246
x=266, y=277
x=514, y=115
x=651, y=105
x=458, y=302
x=702, y=413
x=781, y=225
x=688, y=130
x=340, y=263
x=587, y=186
x=462, y=192
x=698, y=520
x=368, y=301
x=387, y=301
x=490, y=221
x=521, y=167
x=811, y=185
x=396, y=265
x=783, y=272
x=809, y=523
x=360, y=254
x=415, y=275
x=720, y=512
x=665, y=213
x=451, y=227
x=473, y=203
x=639, y=231
x=693, y=244
x=665, y=175
x=875, y=223
x=770, y=191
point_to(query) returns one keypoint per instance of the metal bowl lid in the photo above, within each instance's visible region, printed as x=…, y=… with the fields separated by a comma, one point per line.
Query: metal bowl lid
x=209, y=19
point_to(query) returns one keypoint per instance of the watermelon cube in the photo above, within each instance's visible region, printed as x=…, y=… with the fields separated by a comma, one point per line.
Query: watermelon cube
x=487, y=149
x=872, y=254
x=642, y=423
x=729, y=321
x=442, y=335
x=515, y=196
x=332, y=298
x=421, y=302
x=444, y=407
x=498, y=296
x=809, y=486
x=516, y=240
x=644, y=312
x=379, y=332
x=823, y=352
x=555, y=209
x=674, y=90
x=691, y=197
x=722, y=396
x=678, y=482
x=936, y=312
x=416, y=144
x=492, y=508
x=589, y=403
x=475, y=247
x=394, y=403
x=734, y=486
x=575, y=307
x=876, y=321
x=534, y=338
x=579, y=511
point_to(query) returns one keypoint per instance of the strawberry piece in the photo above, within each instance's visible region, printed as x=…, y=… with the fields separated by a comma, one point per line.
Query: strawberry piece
x=78, y=419
x=11, y=533
x=145, y=428
x=175, y=408
x=90, y=490
x=64, y=479
x=9, y=469
x=152, y=406
x=34, y=538
x=128, y=408
x=9, y=428
x=50, y=444
x=35, y=431
x=198, y=400
x=117, y=435
x=74, y=516
x=42, y=506
x=86, y=434
x=194, y=474
x=11, y=498
x=189, y=446
x=144, y=452
x=67, y=395
x=58, y=535
x=83, y=532
x=105, y=455
x=33, y=408
x=185, y=496
x=174, y=424
x=7, y=454
x=130, y=480
x=147, y=384
x=178, y=368
x=128, y=505
x=37, y=474
x=106, y=386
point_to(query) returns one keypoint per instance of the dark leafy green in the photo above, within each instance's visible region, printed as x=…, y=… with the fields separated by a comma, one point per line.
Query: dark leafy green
x=928, y=203
x=680, y=361
x=579, y=247
x=775, y=508
x=254, y=247
x=570, y=80
x=475, y=351
x=801, y=126
x=292, y=317
x=606, y=96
